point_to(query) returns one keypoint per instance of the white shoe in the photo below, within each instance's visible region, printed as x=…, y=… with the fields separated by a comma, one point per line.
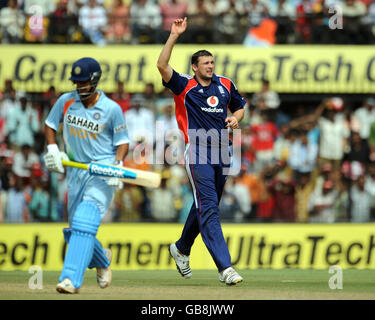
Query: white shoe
x=104, y=275
x=66, y=286
x=182, y=261
x=230, y=276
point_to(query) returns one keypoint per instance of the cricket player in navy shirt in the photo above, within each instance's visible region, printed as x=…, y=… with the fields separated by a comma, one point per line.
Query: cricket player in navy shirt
x=202, y=103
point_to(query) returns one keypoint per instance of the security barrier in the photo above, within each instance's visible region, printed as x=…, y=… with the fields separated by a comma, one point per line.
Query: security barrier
x=145, y=246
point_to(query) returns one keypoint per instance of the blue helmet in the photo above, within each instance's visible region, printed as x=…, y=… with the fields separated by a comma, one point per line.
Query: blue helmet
x=86, y=69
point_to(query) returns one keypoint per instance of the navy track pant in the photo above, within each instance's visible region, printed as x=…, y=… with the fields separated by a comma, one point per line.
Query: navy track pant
x=207, y=182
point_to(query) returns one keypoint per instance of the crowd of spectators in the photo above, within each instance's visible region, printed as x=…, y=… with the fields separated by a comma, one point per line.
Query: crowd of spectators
x=314, y=164
x=250, y=22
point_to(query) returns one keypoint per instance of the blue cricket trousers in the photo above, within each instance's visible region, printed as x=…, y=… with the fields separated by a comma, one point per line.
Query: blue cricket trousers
x=207, y=181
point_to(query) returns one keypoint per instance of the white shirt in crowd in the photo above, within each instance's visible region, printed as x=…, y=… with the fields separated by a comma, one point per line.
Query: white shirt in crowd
x=365, y=118
x=166, y=128
x=92, y=18
x=32, y=7
x=361, y=205
x=22, y=125
x=317, y=198
x=21, y=166
x=147, y=15
x=7, y=105
x=141, y=124
x=332, y=136
x=271, y=99
x=287, y=9
x=242, y=195
x=13, y=20
x=162, y=205
x=303, y=157
x=15, y=206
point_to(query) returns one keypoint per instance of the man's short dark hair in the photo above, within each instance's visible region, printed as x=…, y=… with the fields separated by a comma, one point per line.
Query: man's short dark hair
x=200, y=53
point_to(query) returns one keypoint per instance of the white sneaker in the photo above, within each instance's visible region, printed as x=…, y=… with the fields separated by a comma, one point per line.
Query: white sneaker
x=104, y=275
x=66, y=286
x=230, y=276
x=182, y=261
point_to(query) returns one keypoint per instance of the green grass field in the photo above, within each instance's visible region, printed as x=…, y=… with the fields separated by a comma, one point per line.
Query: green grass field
x=266, y=284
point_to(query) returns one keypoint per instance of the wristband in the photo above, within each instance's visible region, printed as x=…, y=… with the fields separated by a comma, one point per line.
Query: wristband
x=119, y=163
x=53, y=148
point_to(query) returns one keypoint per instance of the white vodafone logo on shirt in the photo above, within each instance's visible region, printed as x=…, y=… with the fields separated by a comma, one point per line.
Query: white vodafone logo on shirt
x=212, y=101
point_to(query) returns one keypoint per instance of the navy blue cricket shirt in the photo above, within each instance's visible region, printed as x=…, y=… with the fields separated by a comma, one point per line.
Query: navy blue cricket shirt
x=199, y=107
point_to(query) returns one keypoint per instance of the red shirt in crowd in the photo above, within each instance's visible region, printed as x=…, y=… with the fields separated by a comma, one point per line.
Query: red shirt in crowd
x=264, y=136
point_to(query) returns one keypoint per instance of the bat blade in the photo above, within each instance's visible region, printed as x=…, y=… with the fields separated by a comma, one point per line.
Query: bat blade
x=144, y=178
x=128, y=175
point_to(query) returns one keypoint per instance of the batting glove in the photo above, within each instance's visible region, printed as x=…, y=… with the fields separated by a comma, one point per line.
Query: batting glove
x=53, y=158
x=116, y=182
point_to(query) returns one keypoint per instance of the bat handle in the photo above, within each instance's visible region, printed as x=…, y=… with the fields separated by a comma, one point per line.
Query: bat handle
x=73, y=164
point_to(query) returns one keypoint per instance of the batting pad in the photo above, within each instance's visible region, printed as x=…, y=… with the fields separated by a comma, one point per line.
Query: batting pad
x=85, y=224
x=99, y=260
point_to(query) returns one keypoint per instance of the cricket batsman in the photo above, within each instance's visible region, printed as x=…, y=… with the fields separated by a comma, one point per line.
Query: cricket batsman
x=94, y=129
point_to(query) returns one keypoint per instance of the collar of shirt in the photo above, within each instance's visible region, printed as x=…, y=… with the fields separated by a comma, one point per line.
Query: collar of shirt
x=215, y=79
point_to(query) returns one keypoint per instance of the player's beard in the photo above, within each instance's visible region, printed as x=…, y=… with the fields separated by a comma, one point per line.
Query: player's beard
x=205, y=78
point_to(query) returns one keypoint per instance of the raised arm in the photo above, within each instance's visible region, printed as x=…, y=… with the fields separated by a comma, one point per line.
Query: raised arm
x=311, y=117
x=166, y=71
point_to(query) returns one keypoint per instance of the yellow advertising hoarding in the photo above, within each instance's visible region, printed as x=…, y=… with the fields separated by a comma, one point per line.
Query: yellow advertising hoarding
x=293, y=69
x=145, y=246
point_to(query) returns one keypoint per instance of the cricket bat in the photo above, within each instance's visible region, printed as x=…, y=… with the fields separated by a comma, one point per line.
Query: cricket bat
x=127, y=175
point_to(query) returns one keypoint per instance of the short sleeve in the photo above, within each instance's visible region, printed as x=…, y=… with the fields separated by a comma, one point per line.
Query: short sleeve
x=120, y=130
x=236, y=101
x=177, y=83
x=56, y=115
